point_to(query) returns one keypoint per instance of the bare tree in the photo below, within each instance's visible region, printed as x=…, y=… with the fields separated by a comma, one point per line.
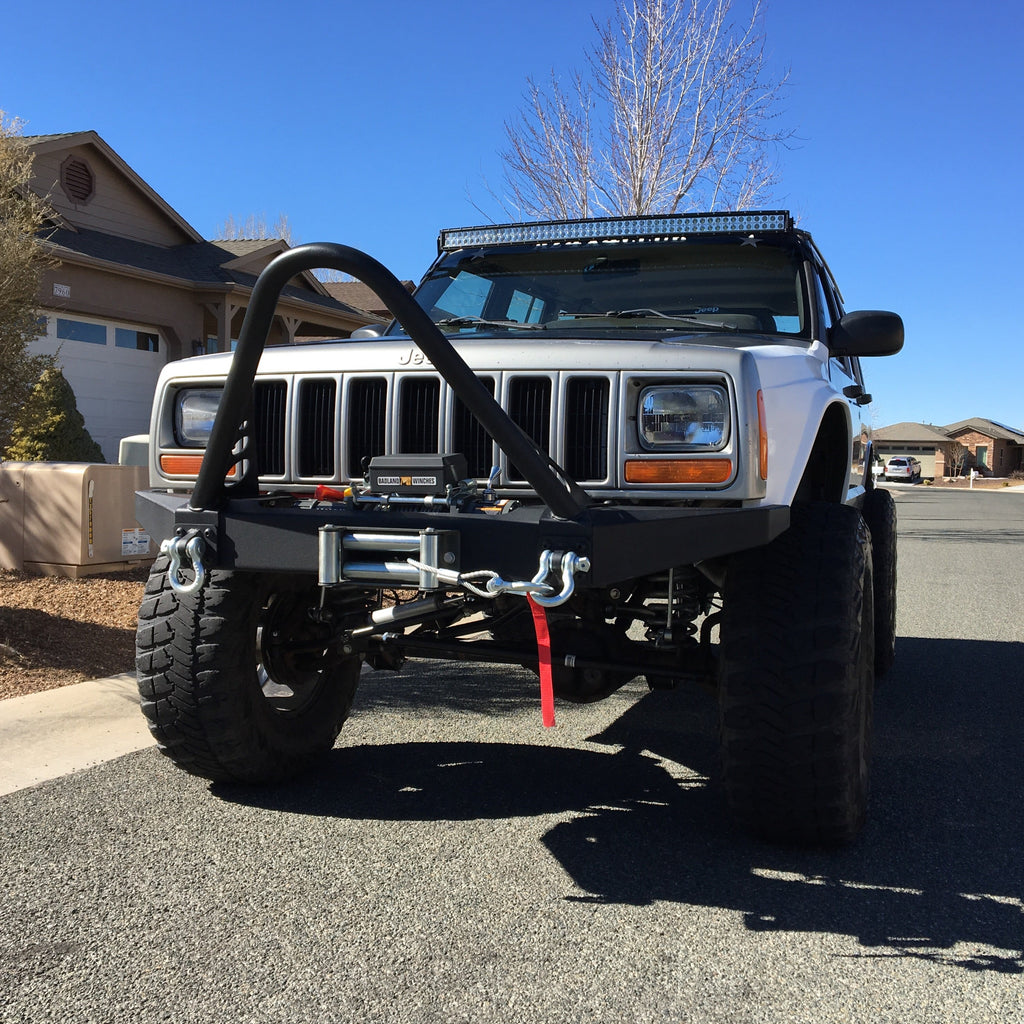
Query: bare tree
x=549, y=162
x=677, y=112
x=958, y=453
x=23, y=256
x=255, y=227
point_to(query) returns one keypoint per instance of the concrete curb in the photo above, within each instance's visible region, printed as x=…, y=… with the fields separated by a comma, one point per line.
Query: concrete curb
x=947, y=487
x=46, y=735
x=975, y=490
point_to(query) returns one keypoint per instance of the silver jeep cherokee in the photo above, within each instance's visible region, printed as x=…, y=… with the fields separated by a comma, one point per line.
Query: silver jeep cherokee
x=605, y=448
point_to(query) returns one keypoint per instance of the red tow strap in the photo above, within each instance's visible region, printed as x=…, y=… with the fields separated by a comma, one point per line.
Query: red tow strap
x=547, y=689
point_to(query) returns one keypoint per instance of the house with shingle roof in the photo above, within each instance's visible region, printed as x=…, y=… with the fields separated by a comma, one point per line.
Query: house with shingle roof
x=994, y=449
x=135, y=285
x=362, y=296
x=991, y=448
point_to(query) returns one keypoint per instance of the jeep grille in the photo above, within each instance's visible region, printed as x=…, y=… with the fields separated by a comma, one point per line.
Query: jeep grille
x=586, y=428
x=419, y=414
x=270, y=407
x=416, y=413
x=315, y=423
x=529, y=407
x=470, y=438
x=365, y=422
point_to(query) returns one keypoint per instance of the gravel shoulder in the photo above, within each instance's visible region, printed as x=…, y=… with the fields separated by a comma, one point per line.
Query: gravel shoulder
x=56, y=631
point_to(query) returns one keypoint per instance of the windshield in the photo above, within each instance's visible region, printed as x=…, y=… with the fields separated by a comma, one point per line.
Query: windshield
x=731, y=285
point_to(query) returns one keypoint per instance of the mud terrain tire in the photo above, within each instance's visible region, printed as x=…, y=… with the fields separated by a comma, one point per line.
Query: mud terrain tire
x=797, y=679
x=222, y=699
x=880, y=515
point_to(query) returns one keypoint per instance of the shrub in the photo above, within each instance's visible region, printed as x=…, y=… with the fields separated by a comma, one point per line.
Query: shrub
x=50, y=428
x=23, y=257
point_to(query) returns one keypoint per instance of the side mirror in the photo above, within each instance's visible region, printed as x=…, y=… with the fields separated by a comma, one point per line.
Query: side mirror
x=866, y=332
x=369, y=331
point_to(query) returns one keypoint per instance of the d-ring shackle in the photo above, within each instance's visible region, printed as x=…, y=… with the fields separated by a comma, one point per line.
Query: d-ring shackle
x=571, y=564
x=188, y=549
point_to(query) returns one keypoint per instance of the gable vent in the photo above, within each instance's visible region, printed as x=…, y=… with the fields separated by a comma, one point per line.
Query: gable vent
x=77, y=181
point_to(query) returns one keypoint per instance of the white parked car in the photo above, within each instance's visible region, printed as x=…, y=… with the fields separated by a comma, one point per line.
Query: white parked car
x=617, y=448
x=903, y=467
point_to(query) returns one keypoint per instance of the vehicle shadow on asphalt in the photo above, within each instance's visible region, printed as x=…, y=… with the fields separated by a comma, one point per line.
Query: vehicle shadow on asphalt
x=938, y=873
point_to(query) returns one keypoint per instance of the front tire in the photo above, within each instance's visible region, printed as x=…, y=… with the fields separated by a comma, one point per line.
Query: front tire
x=236, y=683
x=796, y=679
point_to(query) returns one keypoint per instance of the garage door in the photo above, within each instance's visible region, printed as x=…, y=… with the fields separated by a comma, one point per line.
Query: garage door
x=113, y=369
x=927, y=462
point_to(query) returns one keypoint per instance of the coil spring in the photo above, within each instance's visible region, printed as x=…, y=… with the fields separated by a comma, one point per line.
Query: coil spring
x=686, y=599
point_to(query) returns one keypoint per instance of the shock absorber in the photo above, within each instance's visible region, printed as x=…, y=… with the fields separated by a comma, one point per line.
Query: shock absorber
x=682, y=604
x=686, y=597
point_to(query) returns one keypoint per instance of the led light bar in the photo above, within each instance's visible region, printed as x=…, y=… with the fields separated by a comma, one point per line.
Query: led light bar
x=676, y=226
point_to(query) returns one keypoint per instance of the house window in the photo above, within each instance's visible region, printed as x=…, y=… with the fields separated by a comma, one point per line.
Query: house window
x=79, y=330
x=981, y=455
x=141, y=340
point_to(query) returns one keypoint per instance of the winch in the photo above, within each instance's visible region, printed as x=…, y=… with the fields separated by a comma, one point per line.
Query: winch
x=432, y=474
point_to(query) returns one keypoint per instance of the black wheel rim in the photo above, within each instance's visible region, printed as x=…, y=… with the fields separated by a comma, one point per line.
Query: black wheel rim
x=291, y=654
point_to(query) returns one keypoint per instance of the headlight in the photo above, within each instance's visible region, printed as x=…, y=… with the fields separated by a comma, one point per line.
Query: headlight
x=684, y=417
x=194, y=413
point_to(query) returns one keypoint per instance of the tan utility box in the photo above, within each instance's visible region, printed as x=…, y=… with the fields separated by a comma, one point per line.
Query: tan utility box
x=71, y=518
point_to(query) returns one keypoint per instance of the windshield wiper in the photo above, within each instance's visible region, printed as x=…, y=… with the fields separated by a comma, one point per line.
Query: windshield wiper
x=627, y=314
x=646, y=314
x=479, y=321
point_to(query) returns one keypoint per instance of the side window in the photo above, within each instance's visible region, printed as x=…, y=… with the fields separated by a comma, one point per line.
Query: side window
x=830, y=313
x=824, y=309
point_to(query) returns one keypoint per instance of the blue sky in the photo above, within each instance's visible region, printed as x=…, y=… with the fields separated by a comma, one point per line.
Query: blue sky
x=376, y=124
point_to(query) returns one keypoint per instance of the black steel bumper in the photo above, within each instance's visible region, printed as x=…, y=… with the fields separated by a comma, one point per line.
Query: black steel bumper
x=622, y=543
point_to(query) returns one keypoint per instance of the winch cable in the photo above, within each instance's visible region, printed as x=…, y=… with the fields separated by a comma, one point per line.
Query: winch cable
x=537, y=593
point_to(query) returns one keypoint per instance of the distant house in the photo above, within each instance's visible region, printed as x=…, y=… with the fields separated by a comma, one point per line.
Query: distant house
x=992, y=449
x=929, y=444
x=362, y=296
x=137, y=286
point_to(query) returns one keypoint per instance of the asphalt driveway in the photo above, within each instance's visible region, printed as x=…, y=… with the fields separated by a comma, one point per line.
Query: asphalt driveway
x=456, y=862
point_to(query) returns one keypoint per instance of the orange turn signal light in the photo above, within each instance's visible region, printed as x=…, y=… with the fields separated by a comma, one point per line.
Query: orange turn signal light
x=186, y=465
x=678, y=471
